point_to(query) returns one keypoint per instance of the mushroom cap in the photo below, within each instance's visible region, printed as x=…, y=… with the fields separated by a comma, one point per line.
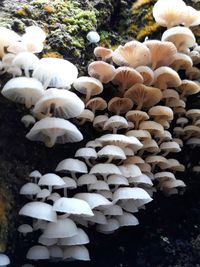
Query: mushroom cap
x=188, y=87
x=103, y=53
x=39, y=210
x=104, y=169
x=164, y=176
x=26, y=61
x=96, y=103
x=132, y=54
x=86, y=179
x=136, y=116
x=161, y=113
x=87, y=84
x=151, y=126
x=69, y=183
x=130, y=170
x=181, y=62
x=72, y=206
x=134, y=160
x=51, y=179
x=115, y=122
x=140, y=181
x=23, y=90
x=36, y=31
x=59, y=103
x=150, y=146
x=110, y=227
x=127, y=219
x=140, y=196
x=94, y=200
x=111, y=151
x=54, y=130
x=71, y=165
x=113, y=210
x=192, y=73
x=119, y=105
x=181, y=37
x=29, y=189
x=170, y=147
x=27, y=120
x=120, y=140
x=162, y=53
x=80, y=239
x=170, y=94
x=62, y=228
x=143, y=96
x=85, y=116
x=125, y=77
x=193, y=114
x=147, y=74
x=116, y=179
x=7, y=38
x=99, y=186
x=169, y=14
x=99, y=121
x=86, y=153
x=76, y=253
x=141, y=135
x=35, y=174
x=38, y=253
x=102, y=71
x=98, y=217
x=43, y=193
x=55, y=72
x=192, y=17
x=165, y=77
x=56, y=253
x=47, y=241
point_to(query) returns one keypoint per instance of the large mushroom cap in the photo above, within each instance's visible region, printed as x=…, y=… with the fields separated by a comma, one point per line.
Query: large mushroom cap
x=80, y=239
x=162, y=53
x=102, y=71
x=132, y=54
x=39, y=210
x=55, y=72
x=38, y=253
x=71, y=165
x=125, y=77
x=54, y=130
x=169, y=13
x=72, y=206
x=143, y=96
x=181, y=37
x=7, y=38
x=59, y=103
x=76, y=253
x=23, y=90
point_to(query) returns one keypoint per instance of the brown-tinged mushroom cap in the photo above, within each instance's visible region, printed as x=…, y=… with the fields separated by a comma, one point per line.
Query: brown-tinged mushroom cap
x=147, y=74
x=54, y=130
x=193, y=114
x=143, y=96
x=125, y=77
x=172, y=164
x=162, y=137
x=170, y=94
x=132, y=54
x=151, y=126
x=156, y=161
x=150, y=146
x=181, y=37
x=166, y=77
x=188, y=87
x=192, y=73
x=119, y=105
x=96, y=103
x=134, y=160
x=169, y=13
x=115, y=123
x=88, y=86
x=141, y=135
x=181, y=62
x=101, y=71
x=161, y=113
x=168, y=147
x=191, y=130
x=58, y=103
x=136, y=116
x=182, y=121
x=162, y=53
x=85, y=116
x=103, y=53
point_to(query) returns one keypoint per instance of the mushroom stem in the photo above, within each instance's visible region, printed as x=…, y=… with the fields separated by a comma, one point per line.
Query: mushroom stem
x=65, y=192
x=88, y=163
x=88, y=95
x=74, y=176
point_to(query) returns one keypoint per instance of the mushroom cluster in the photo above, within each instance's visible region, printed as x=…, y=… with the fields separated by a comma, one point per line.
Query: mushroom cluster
x=135, y=98
x=42, y=85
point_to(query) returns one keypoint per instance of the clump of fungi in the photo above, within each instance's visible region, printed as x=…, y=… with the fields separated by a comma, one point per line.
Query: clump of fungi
x=140, y=126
